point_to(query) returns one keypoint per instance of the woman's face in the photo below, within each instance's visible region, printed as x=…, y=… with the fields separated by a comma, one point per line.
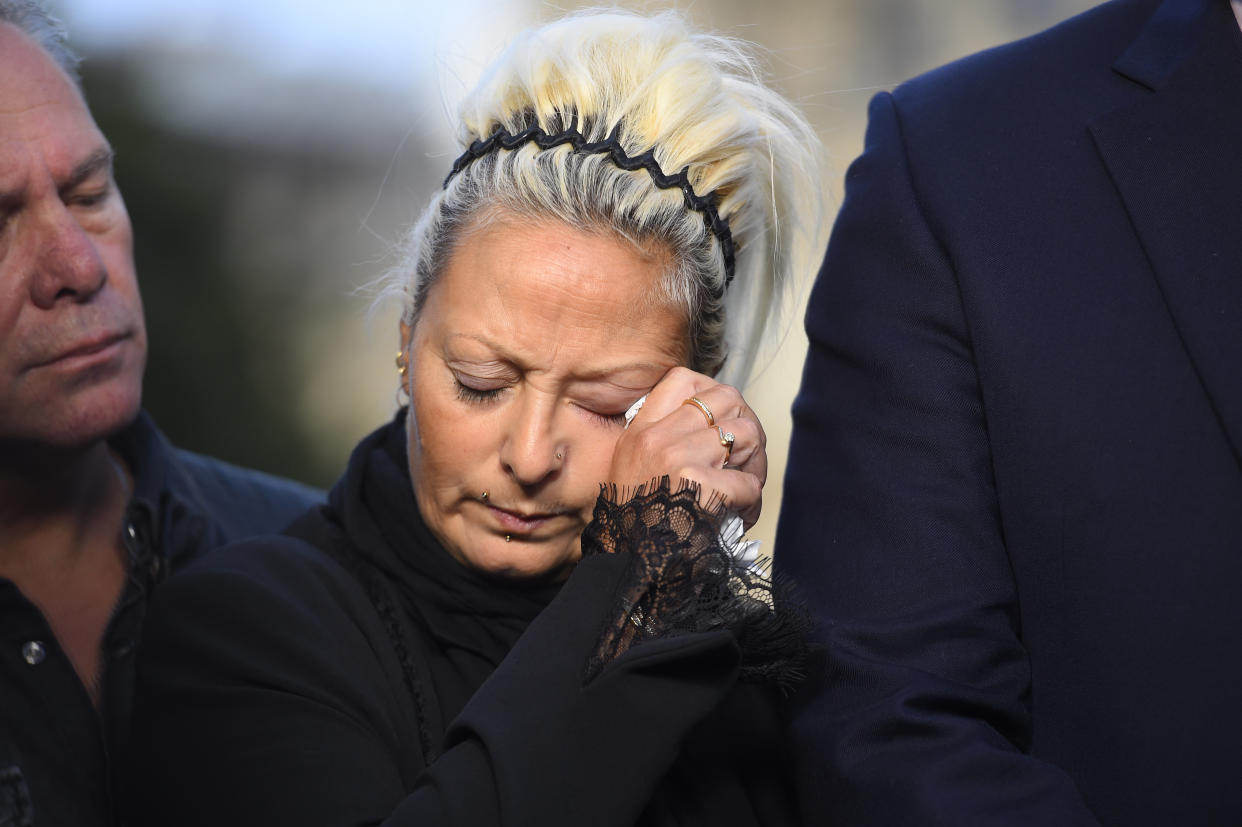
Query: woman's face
x=527, y=353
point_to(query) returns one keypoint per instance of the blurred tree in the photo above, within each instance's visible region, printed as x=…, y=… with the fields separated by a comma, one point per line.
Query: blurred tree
x=220, y=375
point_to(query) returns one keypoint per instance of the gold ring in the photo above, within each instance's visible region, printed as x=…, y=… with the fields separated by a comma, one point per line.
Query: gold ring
x=726, y=441
x=702, y=406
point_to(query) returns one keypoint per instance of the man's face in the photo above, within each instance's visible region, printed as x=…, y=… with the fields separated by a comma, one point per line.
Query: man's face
x=72, y=340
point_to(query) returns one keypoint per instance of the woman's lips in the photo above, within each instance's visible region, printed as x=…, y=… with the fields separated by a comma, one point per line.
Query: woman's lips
x=517, y=522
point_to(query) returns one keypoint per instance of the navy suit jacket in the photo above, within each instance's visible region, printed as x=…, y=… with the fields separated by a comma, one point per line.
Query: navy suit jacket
x=1015, y=487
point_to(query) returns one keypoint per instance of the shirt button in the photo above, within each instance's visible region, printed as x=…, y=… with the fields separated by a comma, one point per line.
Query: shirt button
x=33, y=652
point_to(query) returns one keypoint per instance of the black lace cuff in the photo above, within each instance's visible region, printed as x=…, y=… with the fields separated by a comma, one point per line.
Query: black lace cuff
x=684, y=579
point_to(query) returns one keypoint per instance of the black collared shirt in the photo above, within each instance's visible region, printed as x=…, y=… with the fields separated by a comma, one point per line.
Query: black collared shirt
x=55, y=746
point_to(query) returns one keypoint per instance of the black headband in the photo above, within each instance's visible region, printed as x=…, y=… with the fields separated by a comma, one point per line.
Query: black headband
x=704, y=204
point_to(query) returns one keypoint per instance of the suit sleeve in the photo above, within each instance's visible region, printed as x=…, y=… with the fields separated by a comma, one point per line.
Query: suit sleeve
x=261, y=700
x=920, y=713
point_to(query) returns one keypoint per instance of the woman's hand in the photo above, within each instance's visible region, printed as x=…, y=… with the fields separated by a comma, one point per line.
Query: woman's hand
x=671, y=436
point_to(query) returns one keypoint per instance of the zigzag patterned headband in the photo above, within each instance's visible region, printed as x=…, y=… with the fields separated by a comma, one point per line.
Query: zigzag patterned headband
x=501, y=138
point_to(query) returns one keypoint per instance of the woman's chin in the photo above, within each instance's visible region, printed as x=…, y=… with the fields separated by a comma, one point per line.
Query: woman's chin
x=523, y=560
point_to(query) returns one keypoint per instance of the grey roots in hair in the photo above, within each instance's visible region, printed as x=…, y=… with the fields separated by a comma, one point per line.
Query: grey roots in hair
x=697, y=103
x=42, y=27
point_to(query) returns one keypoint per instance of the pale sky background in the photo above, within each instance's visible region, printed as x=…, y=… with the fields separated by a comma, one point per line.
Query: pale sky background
x=372, y=38
x=411, y=51
x=387, y=42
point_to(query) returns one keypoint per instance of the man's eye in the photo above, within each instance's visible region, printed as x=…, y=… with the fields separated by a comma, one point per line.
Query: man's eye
x=89, y=200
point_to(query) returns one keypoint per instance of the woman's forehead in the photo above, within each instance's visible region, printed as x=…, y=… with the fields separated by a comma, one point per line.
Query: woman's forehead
x=547, y=287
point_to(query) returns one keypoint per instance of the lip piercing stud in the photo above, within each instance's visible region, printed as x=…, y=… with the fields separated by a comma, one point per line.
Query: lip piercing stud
x=507, y=538
x=483, y=496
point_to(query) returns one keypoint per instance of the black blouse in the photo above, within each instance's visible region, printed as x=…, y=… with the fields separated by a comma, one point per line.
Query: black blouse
x=354, y=673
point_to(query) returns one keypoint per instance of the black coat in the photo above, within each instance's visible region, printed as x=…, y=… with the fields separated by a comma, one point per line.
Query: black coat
x=1015, y=491
x=356, y=674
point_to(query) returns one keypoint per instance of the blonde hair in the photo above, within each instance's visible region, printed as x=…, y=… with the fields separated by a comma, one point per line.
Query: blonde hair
x=696, y=102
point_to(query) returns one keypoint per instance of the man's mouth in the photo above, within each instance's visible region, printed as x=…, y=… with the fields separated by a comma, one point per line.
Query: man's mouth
x=95, y=348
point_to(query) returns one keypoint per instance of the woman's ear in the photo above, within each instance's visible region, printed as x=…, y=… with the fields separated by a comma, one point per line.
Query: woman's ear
x=403, y=362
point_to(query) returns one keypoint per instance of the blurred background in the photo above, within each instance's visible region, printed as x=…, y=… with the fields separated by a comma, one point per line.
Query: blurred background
x=272, y=153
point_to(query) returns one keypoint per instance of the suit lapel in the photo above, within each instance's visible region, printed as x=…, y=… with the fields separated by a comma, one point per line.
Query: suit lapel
x=1176, y=158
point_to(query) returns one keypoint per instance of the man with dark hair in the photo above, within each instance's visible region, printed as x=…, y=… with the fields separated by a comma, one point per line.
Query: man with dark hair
x=95, y=506
x=1015, y=485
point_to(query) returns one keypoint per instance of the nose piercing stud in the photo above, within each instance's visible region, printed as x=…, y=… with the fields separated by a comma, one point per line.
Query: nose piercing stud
x=483, y=496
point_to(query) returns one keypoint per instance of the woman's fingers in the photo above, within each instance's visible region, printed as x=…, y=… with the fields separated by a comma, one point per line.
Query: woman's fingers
x=694, y=400
x=681, y=431
x=670, y=393
x=741, y=491
x=749, y=451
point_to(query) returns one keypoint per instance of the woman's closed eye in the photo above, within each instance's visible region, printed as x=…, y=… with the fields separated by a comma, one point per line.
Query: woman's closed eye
x=475, y=390
x=606, y=403
x=603, y=406
x=603, y=418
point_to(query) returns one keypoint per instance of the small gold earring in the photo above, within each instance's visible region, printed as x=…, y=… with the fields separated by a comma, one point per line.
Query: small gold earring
x=403, y=364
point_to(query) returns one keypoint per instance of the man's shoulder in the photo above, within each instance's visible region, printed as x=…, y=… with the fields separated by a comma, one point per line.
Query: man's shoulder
x=199, y=502
x=242, y=501
x=1038, y=76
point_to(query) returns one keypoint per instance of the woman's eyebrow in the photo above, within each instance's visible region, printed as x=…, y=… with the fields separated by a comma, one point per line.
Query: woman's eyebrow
x=609, y=372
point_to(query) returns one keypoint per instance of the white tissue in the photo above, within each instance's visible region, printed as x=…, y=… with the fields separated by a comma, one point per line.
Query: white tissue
x=634, y=409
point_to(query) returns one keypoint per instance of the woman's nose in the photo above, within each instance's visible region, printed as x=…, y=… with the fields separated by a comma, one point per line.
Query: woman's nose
x=532, y=452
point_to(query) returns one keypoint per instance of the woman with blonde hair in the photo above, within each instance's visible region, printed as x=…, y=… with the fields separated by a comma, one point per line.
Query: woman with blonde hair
x=522, y=604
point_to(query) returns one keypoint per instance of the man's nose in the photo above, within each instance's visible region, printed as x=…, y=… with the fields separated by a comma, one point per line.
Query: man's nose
x=67, y=264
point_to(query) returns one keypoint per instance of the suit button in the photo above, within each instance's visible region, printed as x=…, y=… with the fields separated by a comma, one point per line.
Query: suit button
x=33, y=652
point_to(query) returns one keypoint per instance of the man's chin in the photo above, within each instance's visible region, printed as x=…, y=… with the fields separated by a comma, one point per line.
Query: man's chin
x=85, y=418
x=106, y=412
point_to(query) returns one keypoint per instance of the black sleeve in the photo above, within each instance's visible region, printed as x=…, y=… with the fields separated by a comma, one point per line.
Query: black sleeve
x=890, y=523
x=262, y=701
